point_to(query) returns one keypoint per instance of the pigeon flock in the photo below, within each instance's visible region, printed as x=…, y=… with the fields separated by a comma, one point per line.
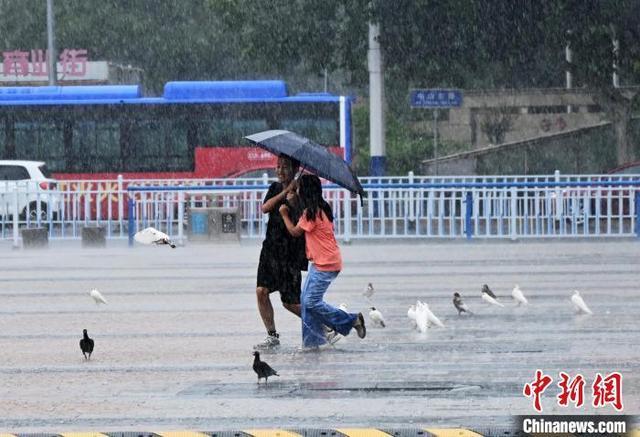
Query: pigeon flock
x=420, y=315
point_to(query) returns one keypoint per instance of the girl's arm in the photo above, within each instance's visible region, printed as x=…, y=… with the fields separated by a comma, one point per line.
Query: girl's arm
x=288, y=191
x=294, y=230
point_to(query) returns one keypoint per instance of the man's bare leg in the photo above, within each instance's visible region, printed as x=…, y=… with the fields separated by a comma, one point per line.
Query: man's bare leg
x=293, y=307
x=265, y=308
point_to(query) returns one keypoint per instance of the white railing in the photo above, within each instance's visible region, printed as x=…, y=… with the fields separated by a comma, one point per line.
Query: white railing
x=396, y=207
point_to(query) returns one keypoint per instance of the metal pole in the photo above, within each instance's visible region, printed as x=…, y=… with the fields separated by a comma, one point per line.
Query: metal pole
x=569, y=57
x=435, y=139
x=51, y=58
x=616, y=53
x=376, y=99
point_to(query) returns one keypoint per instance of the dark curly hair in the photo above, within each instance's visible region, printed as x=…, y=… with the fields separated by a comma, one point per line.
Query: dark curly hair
x=311, y=195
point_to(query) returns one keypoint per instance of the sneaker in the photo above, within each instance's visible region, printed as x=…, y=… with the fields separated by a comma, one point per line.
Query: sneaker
x=332, y=337
x=272, y=341
x=358, y=325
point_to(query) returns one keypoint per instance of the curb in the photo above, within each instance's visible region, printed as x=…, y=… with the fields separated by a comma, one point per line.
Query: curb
x=307, y=432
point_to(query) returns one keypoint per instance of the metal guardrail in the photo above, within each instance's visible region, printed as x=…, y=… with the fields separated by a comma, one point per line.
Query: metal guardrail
x=430, y=210
x=545, y=206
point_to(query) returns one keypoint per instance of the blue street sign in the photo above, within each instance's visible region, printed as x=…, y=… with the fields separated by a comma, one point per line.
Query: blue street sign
x=436, y=98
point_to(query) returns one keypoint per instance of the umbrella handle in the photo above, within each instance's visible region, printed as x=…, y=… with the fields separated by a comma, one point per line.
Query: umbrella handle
x=299, y=173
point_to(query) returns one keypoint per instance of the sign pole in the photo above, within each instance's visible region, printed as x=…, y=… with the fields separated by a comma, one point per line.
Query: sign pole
x=435, y=138
x=51, y=61
x=435, y=99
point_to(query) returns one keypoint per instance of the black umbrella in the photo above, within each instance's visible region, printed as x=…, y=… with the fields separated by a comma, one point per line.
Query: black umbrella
x=311, y=155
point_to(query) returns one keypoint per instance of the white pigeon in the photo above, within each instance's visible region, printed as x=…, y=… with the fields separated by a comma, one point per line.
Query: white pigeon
x=97, y=296
x=488, y=296
x=517, y=294
x=153, y=236
x=376, y=317
x=368, y=291
x=432, y=317
x=422, y=320
x=579, y=304
x=411, y=314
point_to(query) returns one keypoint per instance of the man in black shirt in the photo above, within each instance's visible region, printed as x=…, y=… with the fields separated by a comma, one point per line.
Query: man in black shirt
x=282, y=257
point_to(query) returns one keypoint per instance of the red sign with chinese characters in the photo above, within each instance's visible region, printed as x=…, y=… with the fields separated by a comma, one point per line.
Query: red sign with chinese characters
x=71, y=63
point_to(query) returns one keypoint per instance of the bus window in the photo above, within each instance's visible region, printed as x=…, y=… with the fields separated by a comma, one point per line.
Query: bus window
x=158, y=145
x=227, y=132
x=95, y=146
x=3, y=139
x=40, y=140
x=322, y=131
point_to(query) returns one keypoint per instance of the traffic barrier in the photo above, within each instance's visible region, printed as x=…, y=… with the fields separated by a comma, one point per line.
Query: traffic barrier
x=94, y=236
x=34, y=238
x=490, y=207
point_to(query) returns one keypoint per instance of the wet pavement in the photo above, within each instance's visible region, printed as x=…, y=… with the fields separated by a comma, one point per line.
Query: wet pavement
x=174, y=343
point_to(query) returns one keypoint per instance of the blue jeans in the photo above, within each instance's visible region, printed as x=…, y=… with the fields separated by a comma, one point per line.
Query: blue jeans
x=316, y=312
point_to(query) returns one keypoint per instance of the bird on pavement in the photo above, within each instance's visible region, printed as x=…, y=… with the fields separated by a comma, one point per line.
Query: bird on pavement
x=430, y=316
x=376, y=317
x=153, y=236
x=411, y=314
x=86, y=345
x=460, y=306
x=488, y=296
x=422, y=319
x=97, y=297
x=517, y=294
x=579, y=304
x=368, y=291
x=262, y=369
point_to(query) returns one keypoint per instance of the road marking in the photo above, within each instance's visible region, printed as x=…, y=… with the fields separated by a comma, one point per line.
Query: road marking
x=271, y=433
x=83, y=434
x=362, y=432
x=185, y=433
x=452, y=432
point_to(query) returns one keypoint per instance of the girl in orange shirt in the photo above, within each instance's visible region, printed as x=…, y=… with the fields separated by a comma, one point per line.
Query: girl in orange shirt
x=316, y=223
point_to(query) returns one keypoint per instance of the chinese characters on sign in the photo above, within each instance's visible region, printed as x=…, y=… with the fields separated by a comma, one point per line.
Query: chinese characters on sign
x=605, y=390
x=71, y=63
x=436, y=98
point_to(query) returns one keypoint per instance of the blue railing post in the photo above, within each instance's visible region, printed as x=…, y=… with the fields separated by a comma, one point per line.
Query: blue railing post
x=467, y=215
x=636, y=205
x=132, y=221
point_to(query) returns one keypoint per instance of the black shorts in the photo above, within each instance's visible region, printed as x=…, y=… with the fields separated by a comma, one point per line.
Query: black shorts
x=276, y=275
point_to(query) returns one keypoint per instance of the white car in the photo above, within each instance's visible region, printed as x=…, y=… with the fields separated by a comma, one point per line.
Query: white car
x=36, y=190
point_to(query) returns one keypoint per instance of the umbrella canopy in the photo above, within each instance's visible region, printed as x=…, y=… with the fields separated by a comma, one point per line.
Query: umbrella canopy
x=311, y=155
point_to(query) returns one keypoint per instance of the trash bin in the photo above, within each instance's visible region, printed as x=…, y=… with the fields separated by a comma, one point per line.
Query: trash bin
x=214, y=224
x=198, y=224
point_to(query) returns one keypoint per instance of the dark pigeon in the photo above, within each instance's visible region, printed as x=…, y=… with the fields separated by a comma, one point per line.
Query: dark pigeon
x=262, y=369
x=486, y=289
x=86, y=344
x=460, y=306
